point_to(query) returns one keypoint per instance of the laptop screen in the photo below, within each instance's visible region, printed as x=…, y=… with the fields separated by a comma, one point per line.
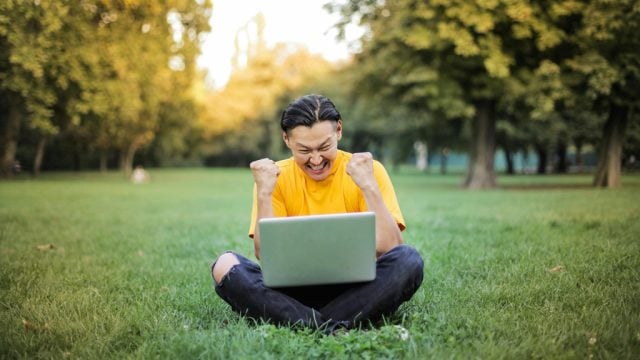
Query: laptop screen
x=318, y=249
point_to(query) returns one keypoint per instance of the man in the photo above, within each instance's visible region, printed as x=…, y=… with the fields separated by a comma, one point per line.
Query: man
x=320, y=179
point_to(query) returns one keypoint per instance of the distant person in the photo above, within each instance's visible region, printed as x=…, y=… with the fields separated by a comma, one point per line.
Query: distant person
x=139, y=175
x=319, y=179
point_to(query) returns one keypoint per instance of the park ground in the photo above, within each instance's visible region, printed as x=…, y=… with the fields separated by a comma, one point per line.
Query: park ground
x=93, y=266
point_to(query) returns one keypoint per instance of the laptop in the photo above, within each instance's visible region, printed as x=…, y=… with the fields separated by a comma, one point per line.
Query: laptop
x=318, y=249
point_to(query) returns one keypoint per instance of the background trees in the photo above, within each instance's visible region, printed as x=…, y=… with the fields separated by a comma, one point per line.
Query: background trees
x=104, y=83
x=533, y=65
x=31, y=70
x=97, y=73
x=609, y=62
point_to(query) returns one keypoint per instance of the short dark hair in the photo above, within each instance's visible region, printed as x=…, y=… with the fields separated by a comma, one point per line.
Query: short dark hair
x=308, y=110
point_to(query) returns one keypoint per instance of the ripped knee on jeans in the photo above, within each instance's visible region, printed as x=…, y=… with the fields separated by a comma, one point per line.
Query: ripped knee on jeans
x=223, y=265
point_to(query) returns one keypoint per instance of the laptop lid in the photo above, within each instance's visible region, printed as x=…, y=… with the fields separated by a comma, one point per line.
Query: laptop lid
x=318, y=249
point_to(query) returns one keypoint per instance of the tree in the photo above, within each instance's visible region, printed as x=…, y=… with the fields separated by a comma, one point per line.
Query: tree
x=465, y=59
x=103, y=69
x=454, y=59
x=28, y=42
x=141, y=69
x=609, y=62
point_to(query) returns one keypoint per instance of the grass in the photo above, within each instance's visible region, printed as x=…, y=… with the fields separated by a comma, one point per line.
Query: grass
x=543, y=267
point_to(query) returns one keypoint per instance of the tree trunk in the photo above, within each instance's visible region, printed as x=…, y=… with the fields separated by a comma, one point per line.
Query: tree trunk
x=10, y=140
x=127, y=160
x=127, y=164
x=542, y=159
x=561, y=153
x=37, y=161
x=609, y=168
x=508, y=157
x=481, y=172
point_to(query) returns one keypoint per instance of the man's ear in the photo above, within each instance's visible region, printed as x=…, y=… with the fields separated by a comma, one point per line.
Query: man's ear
x=285, y=138
x=339, y=129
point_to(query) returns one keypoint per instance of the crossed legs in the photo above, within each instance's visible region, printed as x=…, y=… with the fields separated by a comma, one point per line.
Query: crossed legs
x=399, y=274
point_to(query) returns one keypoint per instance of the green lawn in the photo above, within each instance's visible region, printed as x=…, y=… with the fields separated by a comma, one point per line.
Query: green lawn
x=544, y=267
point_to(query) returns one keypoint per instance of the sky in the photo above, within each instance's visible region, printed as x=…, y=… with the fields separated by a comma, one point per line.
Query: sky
x=302, y=22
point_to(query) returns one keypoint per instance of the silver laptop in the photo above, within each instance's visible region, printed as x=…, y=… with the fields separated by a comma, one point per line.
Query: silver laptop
x=318, y=249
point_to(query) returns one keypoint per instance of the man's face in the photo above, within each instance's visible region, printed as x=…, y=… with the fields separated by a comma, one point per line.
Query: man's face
x=315, y=149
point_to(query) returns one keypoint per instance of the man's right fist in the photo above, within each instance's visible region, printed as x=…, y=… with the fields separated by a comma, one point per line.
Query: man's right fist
x=265, y=173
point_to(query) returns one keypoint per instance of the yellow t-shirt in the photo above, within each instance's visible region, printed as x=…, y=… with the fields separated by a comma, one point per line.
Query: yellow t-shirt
x=296, y=194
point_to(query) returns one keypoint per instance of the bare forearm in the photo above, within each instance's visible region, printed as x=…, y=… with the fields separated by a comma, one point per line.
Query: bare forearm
x=265, y=210
x=388, y=234
x=265, y=173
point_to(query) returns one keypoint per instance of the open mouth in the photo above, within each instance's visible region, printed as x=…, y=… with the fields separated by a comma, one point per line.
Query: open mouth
x=317, y=169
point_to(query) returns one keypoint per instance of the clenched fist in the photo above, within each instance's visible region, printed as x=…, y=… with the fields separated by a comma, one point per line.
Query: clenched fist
x=265, y=173
x=360, y=168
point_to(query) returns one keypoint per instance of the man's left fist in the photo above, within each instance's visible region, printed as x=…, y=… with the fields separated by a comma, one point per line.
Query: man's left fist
x=360, y=168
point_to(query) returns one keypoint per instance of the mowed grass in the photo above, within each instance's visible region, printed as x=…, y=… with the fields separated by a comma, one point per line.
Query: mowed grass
x=543, y=267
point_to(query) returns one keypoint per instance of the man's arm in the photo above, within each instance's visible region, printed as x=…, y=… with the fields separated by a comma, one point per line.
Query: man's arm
x=388, y=234
x=265, y=173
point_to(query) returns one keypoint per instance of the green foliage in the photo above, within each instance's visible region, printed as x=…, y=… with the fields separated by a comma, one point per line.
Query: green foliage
x=104, y=68
x=29, y=38
x=544, y=267
x=445, y=55
x=553, y=69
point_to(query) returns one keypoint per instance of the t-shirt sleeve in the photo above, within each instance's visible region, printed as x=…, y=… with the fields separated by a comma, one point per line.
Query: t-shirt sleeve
x=388, y=193
x=279, y=209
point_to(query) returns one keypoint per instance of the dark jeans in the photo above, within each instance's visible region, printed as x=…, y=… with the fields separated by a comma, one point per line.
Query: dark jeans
x=399, y=274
